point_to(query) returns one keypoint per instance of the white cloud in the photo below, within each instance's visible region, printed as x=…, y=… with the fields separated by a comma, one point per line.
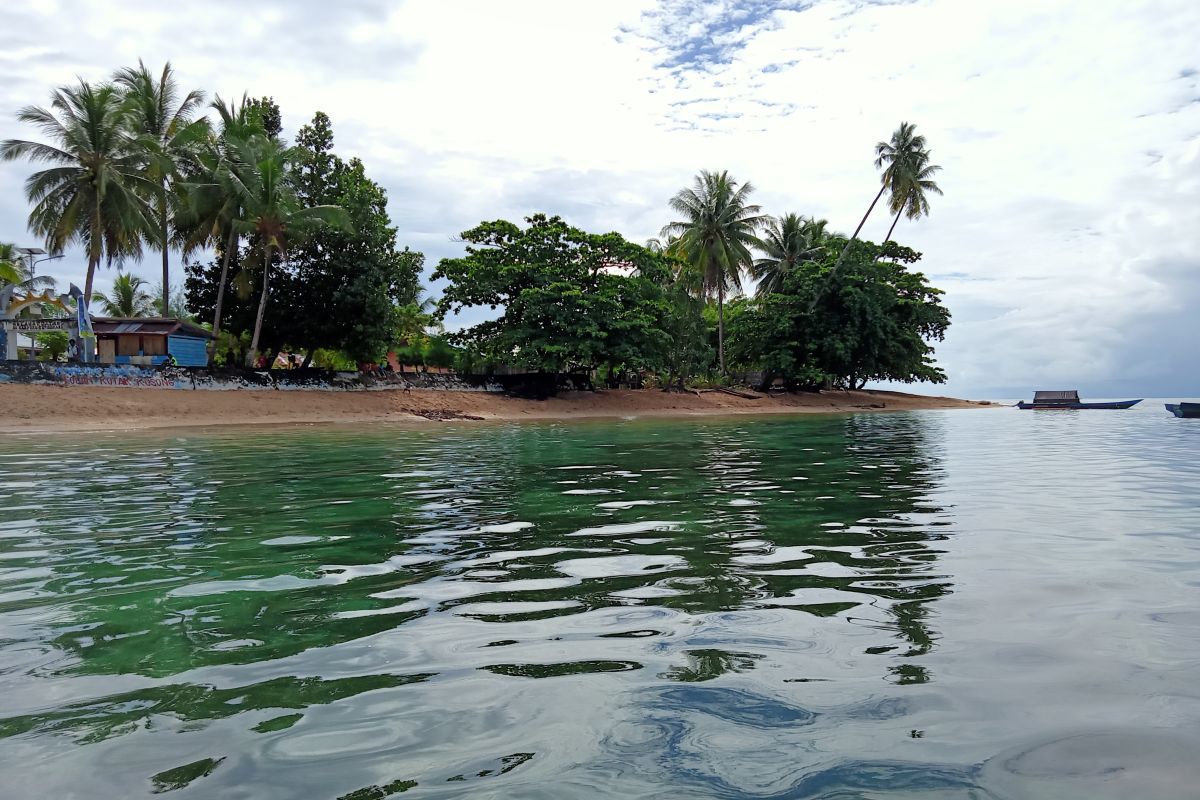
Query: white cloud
x=1067, y=238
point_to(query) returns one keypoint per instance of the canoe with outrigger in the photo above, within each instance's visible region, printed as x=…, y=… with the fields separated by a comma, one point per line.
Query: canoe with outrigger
x=1070, y=400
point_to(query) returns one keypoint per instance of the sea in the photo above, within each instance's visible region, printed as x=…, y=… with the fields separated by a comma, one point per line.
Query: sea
x=988, y=604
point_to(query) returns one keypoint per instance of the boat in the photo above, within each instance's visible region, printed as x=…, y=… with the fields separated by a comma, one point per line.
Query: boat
x=1185, y=410
x=1070, y=400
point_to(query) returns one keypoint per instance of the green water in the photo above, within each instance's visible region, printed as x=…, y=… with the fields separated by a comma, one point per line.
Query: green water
x=966, y=604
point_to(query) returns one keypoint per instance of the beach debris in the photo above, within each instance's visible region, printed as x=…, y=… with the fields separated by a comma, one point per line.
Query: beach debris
x=440, y=414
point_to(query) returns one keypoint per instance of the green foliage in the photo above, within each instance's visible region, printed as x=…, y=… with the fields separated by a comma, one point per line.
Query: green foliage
x=94, y=193
x=10, y=266
x=14, y=269
x=787, y=243
x=128, y=298
x=356, y=279
x=168, y=136
x=691, y=352
x=230, y=349
x=340, y=288
x=326, y=358
x=871, y=319
x=412, y=323
x=714, y=239
x=571, y=300
x=52, y=344
x=273, y=216
x=263, y=114
x=907, y=174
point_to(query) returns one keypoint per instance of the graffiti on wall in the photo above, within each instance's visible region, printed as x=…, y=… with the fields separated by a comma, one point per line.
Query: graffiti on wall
x=82, y=375
x=127, y=375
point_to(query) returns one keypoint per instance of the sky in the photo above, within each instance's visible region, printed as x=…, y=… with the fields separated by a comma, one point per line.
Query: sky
x=1067, y=240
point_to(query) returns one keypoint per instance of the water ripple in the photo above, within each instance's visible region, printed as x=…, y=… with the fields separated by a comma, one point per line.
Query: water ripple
x=940, y=605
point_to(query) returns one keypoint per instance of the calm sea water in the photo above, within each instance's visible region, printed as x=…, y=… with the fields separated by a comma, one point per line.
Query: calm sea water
x=961, y=604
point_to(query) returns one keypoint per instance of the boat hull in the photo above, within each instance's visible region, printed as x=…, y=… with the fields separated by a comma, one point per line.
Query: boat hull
x=1078, y=406
x=1185, y=410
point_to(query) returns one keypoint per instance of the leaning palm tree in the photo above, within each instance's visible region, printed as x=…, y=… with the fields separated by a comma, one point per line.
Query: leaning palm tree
x=897, y=157
x=128, y=298
x=258, y=172
x=164, y=124
x=914, y=181
x=716, y=235
x=787, y=243
x=211, y=201
x=94, y=191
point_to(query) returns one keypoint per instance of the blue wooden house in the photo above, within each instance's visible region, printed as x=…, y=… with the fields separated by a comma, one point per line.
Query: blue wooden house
x=148, y=340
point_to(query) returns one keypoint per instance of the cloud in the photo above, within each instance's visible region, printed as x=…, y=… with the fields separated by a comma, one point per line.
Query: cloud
x=1066, y=239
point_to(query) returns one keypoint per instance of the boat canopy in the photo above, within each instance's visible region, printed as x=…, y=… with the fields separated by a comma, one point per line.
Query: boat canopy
x=1071, y=396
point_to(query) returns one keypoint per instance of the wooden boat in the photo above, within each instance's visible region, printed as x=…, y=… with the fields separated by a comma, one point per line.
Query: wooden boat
x=1186, y=410
x=1070, y=400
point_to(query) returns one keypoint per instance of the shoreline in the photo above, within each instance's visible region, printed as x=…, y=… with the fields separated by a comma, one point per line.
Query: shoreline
x=62, y=409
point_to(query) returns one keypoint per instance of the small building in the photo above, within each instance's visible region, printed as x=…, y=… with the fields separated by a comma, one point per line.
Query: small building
x=147, y=341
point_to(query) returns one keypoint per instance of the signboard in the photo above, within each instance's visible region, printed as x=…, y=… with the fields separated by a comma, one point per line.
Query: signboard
x=36, y=325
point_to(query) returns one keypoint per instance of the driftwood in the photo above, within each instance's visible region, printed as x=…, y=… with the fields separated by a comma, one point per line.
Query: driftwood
x=743, y=395
x=440, y=415
x=734, y=392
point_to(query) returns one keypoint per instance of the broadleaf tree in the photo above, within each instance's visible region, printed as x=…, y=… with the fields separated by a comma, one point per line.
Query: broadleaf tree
x=568, y=300
x=872, y=318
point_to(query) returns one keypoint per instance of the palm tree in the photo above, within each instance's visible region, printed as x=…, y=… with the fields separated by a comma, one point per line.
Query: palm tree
x=94, y=192
x=787, y=243
x=212, y=205
x=662, y=247
x=901, y=155
x=168, y=134
x=258, y=173
x=128, y=298
x=715, y=237
x=914, y=181
x=10, y=266
x=15, y=271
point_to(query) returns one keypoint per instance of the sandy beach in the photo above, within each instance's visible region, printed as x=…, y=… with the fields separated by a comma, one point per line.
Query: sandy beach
x=25, y=408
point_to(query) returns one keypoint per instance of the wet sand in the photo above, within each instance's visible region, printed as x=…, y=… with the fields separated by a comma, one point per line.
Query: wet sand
x=25, y=408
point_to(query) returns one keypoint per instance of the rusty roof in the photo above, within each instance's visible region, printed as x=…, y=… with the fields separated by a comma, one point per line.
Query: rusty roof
x=153, y=326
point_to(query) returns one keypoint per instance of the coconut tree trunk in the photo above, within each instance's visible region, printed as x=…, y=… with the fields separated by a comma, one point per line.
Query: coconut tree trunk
x=94, y=255
x=164, y=231
x=85, y=345
x=870, y=208
x=262, y=307
x=721, y=326
x=93, y=262
x=230, y=243
x=894, y=221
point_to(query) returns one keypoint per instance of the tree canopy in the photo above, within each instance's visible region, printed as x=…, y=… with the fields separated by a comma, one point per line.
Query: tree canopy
x=870, y=319
x=341, y=286
x=568, y=299
x=714, y=238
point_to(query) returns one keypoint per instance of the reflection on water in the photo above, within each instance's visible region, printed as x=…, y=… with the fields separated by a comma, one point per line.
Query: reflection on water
x=962, y=604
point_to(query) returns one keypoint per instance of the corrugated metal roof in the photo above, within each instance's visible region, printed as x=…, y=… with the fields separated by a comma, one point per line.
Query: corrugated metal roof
x=153, y=326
